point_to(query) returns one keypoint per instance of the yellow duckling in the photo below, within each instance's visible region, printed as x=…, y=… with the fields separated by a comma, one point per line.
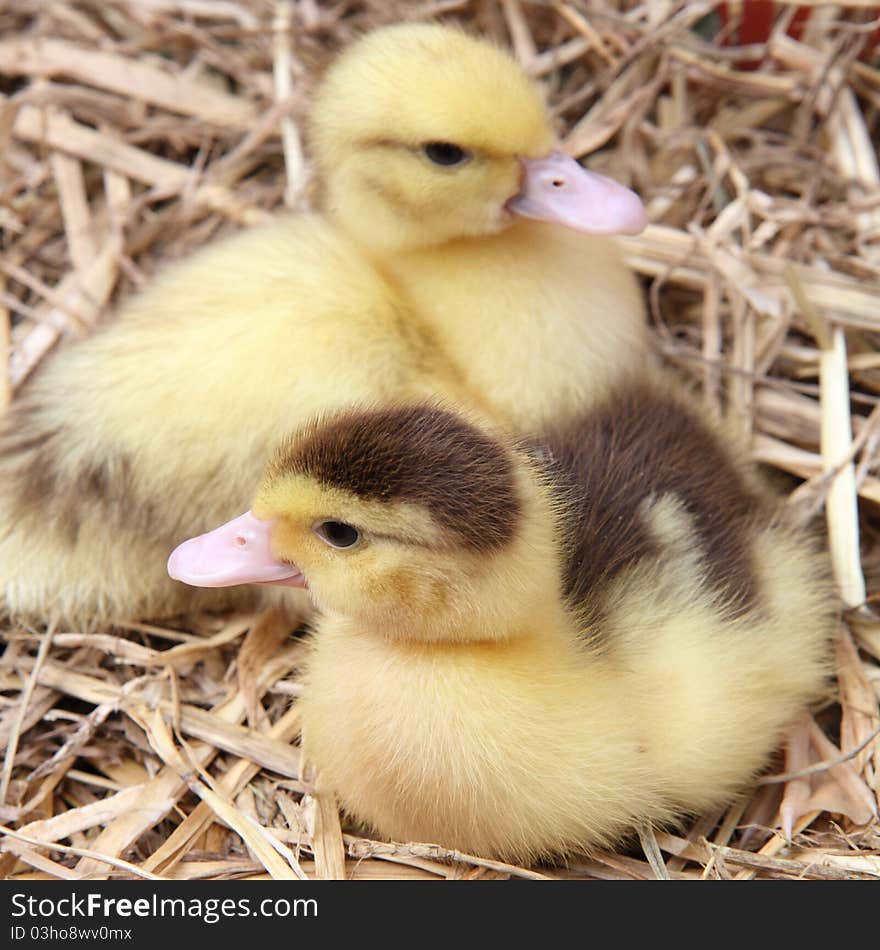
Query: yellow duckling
x=444, y=257
x=525, y=650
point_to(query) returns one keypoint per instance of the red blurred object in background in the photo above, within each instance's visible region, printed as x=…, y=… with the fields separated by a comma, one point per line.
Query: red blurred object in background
x=752, y=22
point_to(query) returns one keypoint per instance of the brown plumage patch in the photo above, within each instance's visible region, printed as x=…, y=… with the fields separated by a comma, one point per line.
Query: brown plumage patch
x=643, y=443
x=420, y=454
x=23, y=431
x=35, y=464
x=34, y=484
x=26, y=457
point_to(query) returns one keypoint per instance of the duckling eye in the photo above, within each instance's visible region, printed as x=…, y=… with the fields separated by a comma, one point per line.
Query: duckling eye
x=445, y=153
x=338, y=534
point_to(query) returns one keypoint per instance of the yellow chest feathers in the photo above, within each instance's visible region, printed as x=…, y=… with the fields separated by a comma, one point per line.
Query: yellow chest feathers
x=540, y=319
x=479, y=747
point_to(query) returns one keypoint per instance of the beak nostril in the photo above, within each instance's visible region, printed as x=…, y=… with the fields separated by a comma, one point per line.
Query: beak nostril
x=239, y=541
x=558, y=182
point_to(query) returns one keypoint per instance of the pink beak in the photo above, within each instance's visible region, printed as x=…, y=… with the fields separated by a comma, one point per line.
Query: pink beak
x=237, y=552
x=558, y=189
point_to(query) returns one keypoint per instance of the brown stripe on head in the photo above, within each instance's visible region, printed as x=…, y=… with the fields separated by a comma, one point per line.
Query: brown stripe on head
x=643, y=443
x=417, y=454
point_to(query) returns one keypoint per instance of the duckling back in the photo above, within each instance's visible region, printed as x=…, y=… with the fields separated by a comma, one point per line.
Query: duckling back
x=685, y=573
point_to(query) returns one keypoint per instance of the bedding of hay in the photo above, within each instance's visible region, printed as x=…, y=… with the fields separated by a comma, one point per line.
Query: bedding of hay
x=132, y=131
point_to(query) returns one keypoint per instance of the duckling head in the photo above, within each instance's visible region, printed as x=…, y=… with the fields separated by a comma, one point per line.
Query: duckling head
x=423, y=134
x=408, y=520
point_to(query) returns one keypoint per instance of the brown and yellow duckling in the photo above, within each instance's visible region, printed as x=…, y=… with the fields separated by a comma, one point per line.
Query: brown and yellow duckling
x=524, y=650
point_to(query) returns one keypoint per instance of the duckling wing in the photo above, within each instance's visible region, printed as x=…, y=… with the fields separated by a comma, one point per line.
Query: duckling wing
x=630, y=466
x=686, y=577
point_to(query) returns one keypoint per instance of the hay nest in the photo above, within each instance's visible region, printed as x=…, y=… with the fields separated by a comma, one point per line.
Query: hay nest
x=134, y=130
